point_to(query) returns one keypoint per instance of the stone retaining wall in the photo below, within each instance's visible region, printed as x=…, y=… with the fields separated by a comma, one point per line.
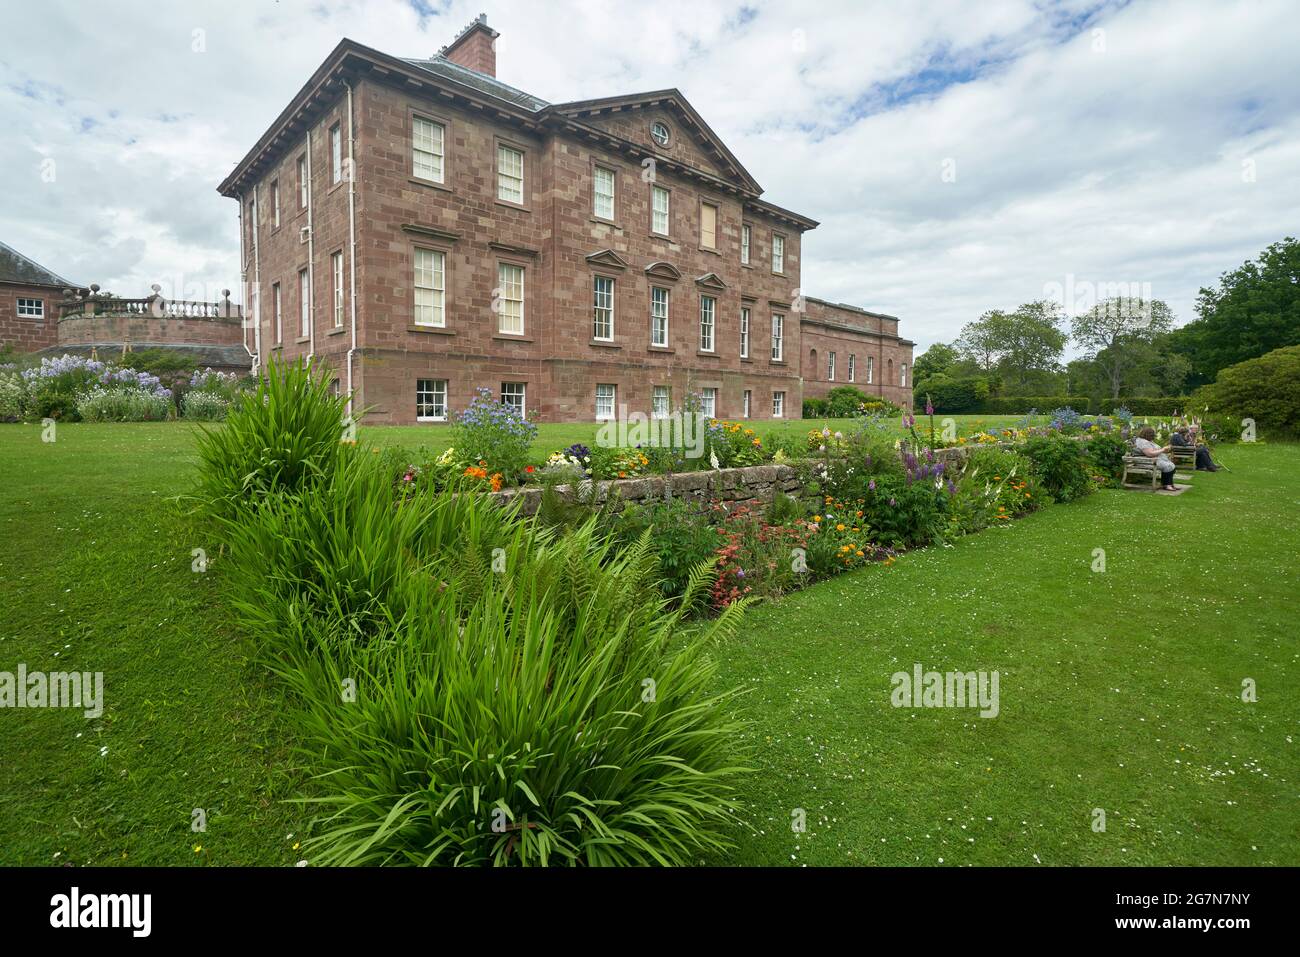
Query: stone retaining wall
x=755, y=484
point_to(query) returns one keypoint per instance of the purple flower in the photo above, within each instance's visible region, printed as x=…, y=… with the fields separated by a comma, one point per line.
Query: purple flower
x=740, y=573
x=929, y=409
x=871, y=486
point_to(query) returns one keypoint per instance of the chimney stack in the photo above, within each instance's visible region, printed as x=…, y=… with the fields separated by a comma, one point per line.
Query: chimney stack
x=474, y=47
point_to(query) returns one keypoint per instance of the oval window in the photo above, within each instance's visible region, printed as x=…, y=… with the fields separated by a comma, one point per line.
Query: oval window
x=659, y=133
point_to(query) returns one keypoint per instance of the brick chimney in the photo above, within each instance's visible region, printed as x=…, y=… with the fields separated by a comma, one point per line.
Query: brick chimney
x=473, y=47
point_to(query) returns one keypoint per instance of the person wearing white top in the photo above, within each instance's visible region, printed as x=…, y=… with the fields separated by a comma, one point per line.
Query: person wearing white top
x=1144, y=443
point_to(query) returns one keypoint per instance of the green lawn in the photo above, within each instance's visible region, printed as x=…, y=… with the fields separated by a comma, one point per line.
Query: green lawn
x=552, y=436
x=1143, y=719
x=95, y=574
x=1118, y=690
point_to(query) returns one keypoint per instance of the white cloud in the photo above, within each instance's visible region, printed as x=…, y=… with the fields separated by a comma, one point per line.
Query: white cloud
x=1109, y=157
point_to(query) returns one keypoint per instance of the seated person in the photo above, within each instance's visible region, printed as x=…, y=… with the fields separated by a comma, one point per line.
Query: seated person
x=1145, y=444
x=1182, y=439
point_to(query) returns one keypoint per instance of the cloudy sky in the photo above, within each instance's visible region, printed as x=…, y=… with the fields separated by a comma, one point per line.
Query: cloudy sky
x=960, y=156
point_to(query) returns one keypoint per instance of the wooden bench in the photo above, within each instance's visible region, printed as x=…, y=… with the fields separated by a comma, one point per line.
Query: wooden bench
x=1183, y=457
x=1135, y=463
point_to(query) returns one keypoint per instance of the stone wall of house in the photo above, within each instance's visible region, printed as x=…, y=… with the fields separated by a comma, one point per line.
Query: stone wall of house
x=28, y=333
x=756, y=484
x=878, y=354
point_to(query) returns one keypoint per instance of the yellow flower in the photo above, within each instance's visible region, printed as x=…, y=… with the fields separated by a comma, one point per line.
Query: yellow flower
x=817, y=518
x=839, y=527
x=859, y=553
x=198, y=848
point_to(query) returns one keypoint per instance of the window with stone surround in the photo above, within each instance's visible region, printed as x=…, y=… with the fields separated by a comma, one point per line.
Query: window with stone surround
x=708, y=316
x=853, y=372
x=430, y=400
x=336, y=154
x=778, y=253
x=430, y=288
x=602, y=312
x=304, y=303
x=830, y=366
x=778, y=405
x=659, y=211
x=602, y=192
x=514, y=394
x=871, y=369
x=744, y=332
x=709, y=402
x=708, y=225
x=658, y=316
x=277, y=306
x=302, y=181
x=428, y=148
x=746, y=235
x=275, y=204
x=605, y=393
x=336, y=270
x=902, y=373
x=661, y=403
x=778, y=337
x=510, y=289
x=510, y=174
x=748, y=397
x=31, y=308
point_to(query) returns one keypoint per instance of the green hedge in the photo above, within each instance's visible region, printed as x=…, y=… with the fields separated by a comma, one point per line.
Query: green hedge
x=1021, y=404
x=1147, y=405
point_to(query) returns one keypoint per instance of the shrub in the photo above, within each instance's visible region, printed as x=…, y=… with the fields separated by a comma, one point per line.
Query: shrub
x=905, y=511
x=1265, y=389
x=993, y=485
x=844, y=401
x=1062, y=465
x=281, y=437
x=204, y=406
x=1022, y=404
x=1105, y=452
x=13, y=396
x=123, y=404
x=681, y=537
x=494, y=432
x=1066, y=419
x=950, y=396
x=733, y=444
x=514, y=694
x=816, y=408
x=1145, y=405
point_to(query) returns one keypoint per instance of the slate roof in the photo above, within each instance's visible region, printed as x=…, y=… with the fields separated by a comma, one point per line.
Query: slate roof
x=17, y=268
x=441, y=66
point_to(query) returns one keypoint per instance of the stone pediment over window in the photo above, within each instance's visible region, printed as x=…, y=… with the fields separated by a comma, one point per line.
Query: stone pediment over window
x=710, y=280
x=663, y=270
x=609, y=258
x=430, y=232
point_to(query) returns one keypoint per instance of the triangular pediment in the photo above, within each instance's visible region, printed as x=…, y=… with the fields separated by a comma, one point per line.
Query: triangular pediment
x=607, y=257
x=691, y=141
x=663, y=270
x=710, y=280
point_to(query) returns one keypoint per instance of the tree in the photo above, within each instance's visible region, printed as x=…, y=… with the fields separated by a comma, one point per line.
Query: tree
x=1265, y=390
x=1022, y=345
x=979, y=341
x=1254, y=310
x=936, y=360
x=1117, y=335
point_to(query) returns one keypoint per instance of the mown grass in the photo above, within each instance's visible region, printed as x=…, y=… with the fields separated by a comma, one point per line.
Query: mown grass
x=1119, y=690
x=96, y=575
x=552, y=436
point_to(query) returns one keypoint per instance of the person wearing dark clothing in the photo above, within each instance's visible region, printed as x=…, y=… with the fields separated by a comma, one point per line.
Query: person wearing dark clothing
x=1181, y=439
